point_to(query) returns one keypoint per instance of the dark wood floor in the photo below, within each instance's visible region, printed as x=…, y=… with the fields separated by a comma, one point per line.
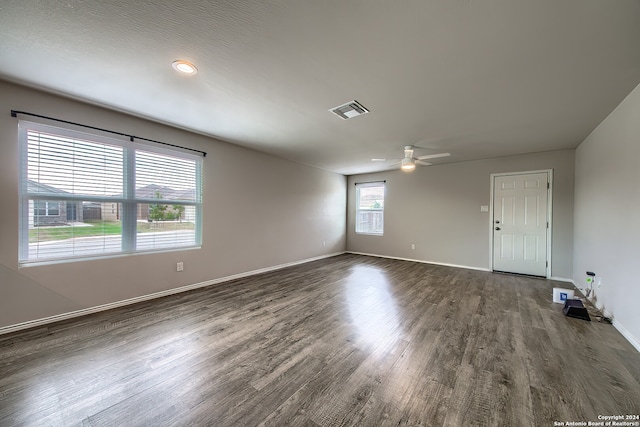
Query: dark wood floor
x=349, y=340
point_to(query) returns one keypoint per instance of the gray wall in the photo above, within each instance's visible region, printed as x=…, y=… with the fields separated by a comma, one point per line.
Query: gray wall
x=259, y=213
x=438, y=209
x=607, y=218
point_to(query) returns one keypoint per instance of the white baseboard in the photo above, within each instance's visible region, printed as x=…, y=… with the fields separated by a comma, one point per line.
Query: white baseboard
x=112, y=305
x=625, y=333
x=420, y=260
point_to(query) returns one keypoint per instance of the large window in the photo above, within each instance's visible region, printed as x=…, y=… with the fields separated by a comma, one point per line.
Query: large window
x=87, y=195
x=370, y=208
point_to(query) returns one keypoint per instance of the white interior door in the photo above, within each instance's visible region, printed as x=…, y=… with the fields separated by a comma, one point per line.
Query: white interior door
x=520, y=223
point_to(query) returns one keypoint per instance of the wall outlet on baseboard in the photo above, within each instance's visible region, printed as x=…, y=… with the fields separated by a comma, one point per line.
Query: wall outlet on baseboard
x=180, y=266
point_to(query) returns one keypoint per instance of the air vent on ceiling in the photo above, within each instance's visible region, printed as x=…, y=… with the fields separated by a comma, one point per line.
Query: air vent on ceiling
x=349, y=110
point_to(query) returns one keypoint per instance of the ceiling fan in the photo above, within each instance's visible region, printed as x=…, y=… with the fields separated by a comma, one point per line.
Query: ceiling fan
x=408, y=163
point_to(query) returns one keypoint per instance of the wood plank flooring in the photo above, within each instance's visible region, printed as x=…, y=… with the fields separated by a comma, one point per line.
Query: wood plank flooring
x=349, y=340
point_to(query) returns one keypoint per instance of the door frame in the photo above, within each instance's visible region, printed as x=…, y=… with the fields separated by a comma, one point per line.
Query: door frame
x=549, y=173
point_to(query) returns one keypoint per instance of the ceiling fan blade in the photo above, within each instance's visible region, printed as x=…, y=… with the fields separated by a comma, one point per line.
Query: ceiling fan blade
x=381, y=160
x=433, y=156
x=420, y=162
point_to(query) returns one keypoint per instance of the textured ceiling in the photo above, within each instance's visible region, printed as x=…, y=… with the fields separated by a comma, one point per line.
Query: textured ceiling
x=476, y=78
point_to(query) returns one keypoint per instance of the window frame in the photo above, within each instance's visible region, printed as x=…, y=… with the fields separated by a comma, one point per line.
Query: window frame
x=359, y=209
x=127, y=199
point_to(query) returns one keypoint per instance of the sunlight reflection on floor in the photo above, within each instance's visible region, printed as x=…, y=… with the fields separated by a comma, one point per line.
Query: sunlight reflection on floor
x=372, y=307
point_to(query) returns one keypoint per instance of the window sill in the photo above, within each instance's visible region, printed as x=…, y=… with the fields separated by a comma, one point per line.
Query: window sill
x=28, y=264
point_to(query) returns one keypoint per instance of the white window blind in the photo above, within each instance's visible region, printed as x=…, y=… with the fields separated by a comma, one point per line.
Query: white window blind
x=370, y=208
x=84, y=195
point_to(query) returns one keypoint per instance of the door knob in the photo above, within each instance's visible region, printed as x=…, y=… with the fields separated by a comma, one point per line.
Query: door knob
x=497, y=228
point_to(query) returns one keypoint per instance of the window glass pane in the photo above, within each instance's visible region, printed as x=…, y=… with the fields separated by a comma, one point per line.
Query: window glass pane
x=370, y=222
x=177, y=180
x=79, y=229
x=64, y=165
x=40, y=208
x=371, y=197
x=166, y=226
x=52, y=208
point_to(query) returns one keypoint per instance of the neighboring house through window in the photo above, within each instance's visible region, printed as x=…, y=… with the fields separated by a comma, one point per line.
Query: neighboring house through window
x=370, y=208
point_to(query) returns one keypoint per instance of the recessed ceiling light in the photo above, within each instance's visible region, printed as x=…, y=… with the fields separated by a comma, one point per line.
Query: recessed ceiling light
x=185, y=67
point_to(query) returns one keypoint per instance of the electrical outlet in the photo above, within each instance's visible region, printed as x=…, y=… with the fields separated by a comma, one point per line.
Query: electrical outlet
x=413, y=246
x=324, y=243
x=180, y=266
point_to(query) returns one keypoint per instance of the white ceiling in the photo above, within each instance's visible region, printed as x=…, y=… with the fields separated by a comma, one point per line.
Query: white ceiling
x=476, y=78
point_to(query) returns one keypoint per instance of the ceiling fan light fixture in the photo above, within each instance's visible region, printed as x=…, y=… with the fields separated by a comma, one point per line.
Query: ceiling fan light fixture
x=407, y=164
x=184, y=67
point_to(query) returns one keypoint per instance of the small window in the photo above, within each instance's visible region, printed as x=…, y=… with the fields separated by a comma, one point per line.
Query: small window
x=84, y=195
x=45, y=208
x=370, y=208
